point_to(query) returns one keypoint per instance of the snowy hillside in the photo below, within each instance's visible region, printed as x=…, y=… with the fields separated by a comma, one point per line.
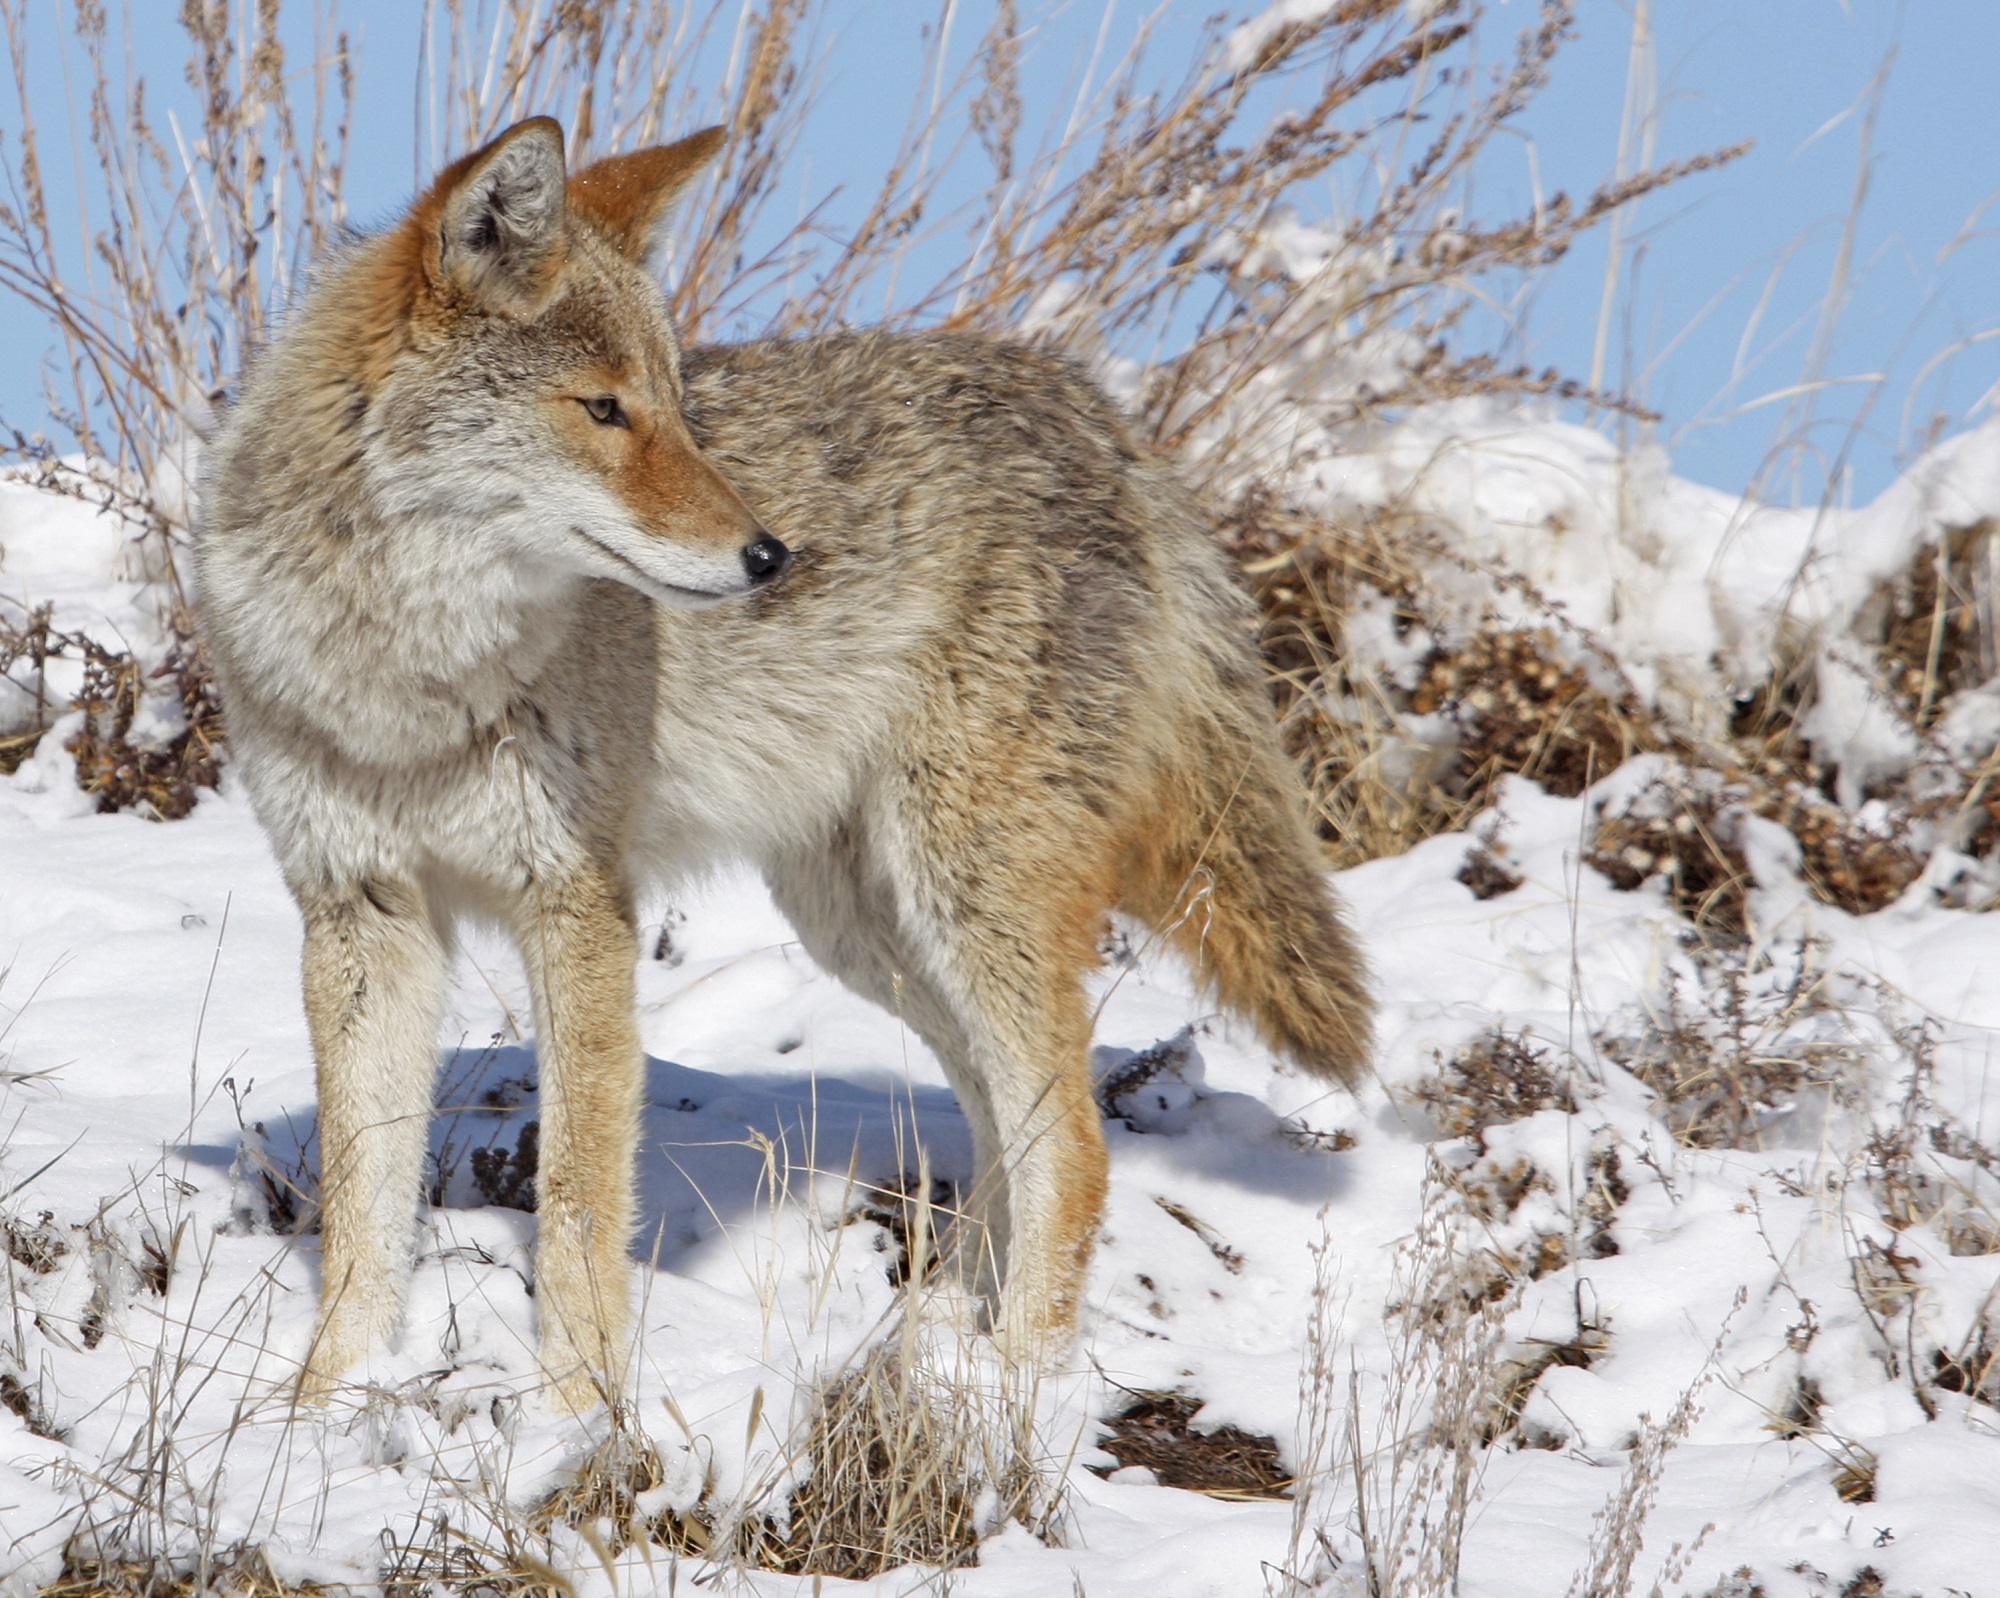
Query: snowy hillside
x=1631, y=1218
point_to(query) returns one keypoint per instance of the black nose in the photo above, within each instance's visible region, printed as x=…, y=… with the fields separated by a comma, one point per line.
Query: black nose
x=765, y=558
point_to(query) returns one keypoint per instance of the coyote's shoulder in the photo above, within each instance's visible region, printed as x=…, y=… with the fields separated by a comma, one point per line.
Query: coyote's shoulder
x=980, y=545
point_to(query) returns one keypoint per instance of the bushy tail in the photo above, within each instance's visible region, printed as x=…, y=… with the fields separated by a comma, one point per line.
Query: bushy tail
x=1229, y=872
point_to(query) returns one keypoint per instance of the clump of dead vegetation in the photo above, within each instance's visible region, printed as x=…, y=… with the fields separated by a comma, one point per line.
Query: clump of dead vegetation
x=1934, y=623
x=1498, y=1078
x=242, y=1572
x=1413, y=738
x=904, y=1471
x=1155, y=1431
x=1487, y=872
x=1413, y=734
x=897, y=1461
x=1687, y=826
x=1735, y=1046
x=1518, y=707
x=157, y=774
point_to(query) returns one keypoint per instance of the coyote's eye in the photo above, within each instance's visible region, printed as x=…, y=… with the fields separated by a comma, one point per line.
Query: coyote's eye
x=606, y=411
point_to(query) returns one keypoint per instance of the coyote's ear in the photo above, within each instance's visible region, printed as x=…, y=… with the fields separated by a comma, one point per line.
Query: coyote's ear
x=501, y=233
x=629, y=197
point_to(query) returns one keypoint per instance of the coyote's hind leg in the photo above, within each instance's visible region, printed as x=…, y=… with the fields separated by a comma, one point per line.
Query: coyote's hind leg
x=986, y=966
x=845, y=916
x=1027, y=1036
x=1009, y=927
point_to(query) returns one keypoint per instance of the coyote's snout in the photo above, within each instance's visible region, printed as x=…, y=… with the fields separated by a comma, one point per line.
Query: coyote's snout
x=1007, y=687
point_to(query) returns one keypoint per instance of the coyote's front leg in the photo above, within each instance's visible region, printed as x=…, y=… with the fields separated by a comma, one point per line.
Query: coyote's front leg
x=374, y=984
x=579, y=944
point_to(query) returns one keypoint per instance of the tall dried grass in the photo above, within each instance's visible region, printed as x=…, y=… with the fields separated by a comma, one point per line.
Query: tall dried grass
x=1172, y=230
x=196, y=233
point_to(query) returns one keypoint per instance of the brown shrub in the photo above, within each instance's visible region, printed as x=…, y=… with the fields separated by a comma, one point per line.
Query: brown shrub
x=1522, y=709
x=1842, y=863
x=158, y=779
x=1687, y=827
x=1486, y=872
x=1499, y=1077
x=1156, y=1430
x=1934, y=622
x=1514, y=703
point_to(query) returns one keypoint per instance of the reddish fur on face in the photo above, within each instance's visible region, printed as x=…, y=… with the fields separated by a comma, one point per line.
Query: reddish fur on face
x=654, y=467
x=402, y=294
x=671, y=487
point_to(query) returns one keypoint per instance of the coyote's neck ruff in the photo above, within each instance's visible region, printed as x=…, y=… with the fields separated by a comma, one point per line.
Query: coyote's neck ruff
x=496, y=583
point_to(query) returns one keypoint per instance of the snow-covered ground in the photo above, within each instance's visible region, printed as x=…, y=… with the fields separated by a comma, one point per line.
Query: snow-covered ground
x=1825, y=1292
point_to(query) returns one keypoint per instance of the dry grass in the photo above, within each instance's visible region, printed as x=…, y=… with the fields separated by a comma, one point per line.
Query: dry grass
x=1156, y=1431
x=506, y=1176
x=1497, y=1078
x=1617, y=1531
x=1578, y=1351
x=1144, y=228
x=1739, y=1047
x=912, y=1456
x=1397, y=751
x=242, y=1573
x=911, y=1453
x=906, y=1209
x=1408, y=738
x=903, y=1472
x=489, y=1552
x=1412, y=1440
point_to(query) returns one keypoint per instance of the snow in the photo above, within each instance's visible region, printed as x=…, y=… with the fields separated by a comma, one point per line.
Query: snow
x=1691, y=591
x=153, y=1061
x=1247, y=39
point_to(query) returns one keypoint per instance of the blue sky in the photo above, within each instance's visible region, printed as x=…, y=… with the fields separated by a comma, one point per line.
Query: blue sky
x=1724, y=298
x=1724, y=279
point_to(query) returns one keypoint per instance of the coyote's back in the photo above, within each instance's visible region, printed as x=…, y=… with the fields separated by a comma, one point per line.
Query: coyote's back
x=519, y=609
x=990, y=568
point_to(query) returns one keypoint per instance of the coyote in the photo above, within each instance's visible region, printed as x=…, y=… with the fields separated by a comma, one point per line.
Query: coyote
x=519, y=610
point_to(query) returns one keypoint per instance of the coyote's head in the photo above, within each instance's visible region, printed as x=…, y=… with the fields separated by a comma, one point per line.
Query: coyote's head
x=521, y=381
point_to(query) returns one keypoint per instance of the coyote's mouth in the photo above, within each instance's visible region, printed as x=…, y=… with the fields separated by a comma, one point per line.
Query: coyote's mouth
x=653, y=587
